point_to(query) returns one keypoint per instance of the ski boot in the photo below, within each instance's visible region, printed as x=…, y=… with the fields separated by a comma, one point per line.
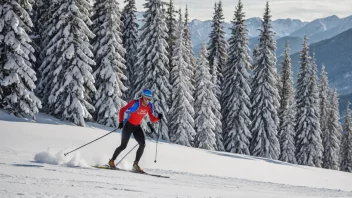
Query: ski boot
x=112, y=164
x=136, y=168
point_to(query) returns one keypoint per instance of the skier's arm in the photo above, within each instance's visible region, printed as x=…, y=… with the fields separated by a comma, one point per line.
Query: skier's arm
x=124, y=109
x=151, y=116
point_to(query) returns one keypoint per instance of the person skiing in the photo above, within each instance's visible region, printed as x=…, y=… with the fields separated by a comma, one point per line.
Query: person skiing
x=135, y=111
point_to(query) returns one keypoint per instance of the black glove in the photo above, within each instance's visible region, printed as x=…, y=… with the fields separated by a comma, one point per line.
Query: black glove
x=160, y=116
x=120, y=125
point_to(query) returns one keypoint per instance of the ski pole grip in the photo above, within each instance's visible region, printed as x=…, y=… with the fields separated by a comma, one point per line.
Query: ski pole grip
x=151, y=127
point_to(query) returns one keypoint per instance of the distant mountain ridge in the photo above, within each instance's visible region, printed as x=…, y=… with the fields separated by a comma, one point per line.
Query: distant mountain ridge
x=316, y=30
x=316, y=26
x=292, y=30
x=324, y=28
x=200, y=30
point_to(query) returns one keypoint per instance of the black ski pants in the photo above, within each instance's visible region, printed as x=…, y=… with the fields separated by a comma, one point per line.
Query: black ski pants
x=138, y=135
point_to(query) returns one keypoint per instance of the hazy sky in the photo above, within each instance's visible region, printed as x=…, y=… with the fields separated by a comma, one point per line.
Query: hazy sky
x=306, y=10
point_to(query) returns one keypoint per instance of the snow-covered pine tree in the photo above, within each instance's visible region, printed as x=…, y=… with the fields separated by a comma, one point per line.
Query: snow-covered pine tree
x=217, y=46
x=2, y=53
x=1, y=78
x=1, y=92
x=316, y=81
x=211, y=35
x=346, y=143
x=265, y=96
x=130, y=43
x=340, y=129
x=277, y=76
x=31, y=7
x=110, y=64
x=181, y=114
x=72, y=76
x=205, y=103
x=35, y=34
x=332, y=137
x=214, y=69
x=287, y=111
x=152, y=62
x=324, y=101
x=172, y=24
x=214, y=77
x=49, y=50
x=47, y=21
x=217, y=108
x=236, y=88
x=309, y=148
x=255, y=56
x=18, y=76
x=43, y=15
x=279, y=88
x=188, y=54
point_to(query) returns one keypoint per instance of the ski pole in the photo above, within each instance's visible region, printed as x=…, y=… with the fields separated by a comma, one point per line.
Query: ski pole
x=126, y=154
x=157, y=140
x=89, y=142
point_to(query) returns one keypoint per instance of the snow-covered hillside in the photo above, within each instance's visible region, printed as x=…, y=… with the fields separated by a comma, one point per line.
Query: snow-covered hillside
x=32, y=164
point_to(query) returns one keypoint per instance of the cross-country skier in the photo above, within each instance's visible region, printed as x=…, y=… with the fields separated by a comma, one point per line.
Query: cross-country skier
x=130, y=123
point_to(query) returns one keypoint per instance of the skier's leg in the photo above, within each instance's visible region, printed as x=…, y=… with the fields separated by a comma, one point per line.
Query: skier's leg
x=126, y=134
x=140, y=138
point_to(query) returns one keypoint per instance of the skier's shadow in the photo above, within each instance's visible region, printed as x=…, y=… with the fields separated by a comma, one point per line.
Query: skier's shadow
x=231, y=155
x=29, y=165
x=247, y=157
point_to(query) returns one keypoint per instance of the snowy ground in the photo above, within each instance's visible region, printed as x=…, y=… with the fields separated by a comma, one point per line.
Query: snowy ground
x=32, y=164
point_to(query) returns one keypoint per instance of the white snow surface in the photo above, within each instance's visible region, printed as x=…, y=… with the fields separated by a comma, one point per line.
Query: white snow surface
x=32, y=164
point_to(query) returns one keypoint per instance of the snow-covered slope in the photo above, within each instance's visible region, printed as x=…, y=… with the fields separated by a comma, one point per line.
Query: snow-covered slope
x=32, y=165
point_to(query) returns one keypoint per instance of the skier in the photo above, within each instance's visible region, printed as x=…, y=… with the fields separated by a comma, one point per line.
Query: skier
x=135, y=111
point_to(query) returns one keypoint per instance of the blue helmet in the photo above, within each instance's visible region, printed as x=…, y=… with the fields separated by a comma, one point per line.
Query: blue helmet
x=147, y=93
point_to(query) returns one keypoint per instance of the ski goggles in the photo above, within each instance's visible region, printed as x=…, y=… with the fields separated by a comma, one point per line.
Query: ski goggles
x=148, y=98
